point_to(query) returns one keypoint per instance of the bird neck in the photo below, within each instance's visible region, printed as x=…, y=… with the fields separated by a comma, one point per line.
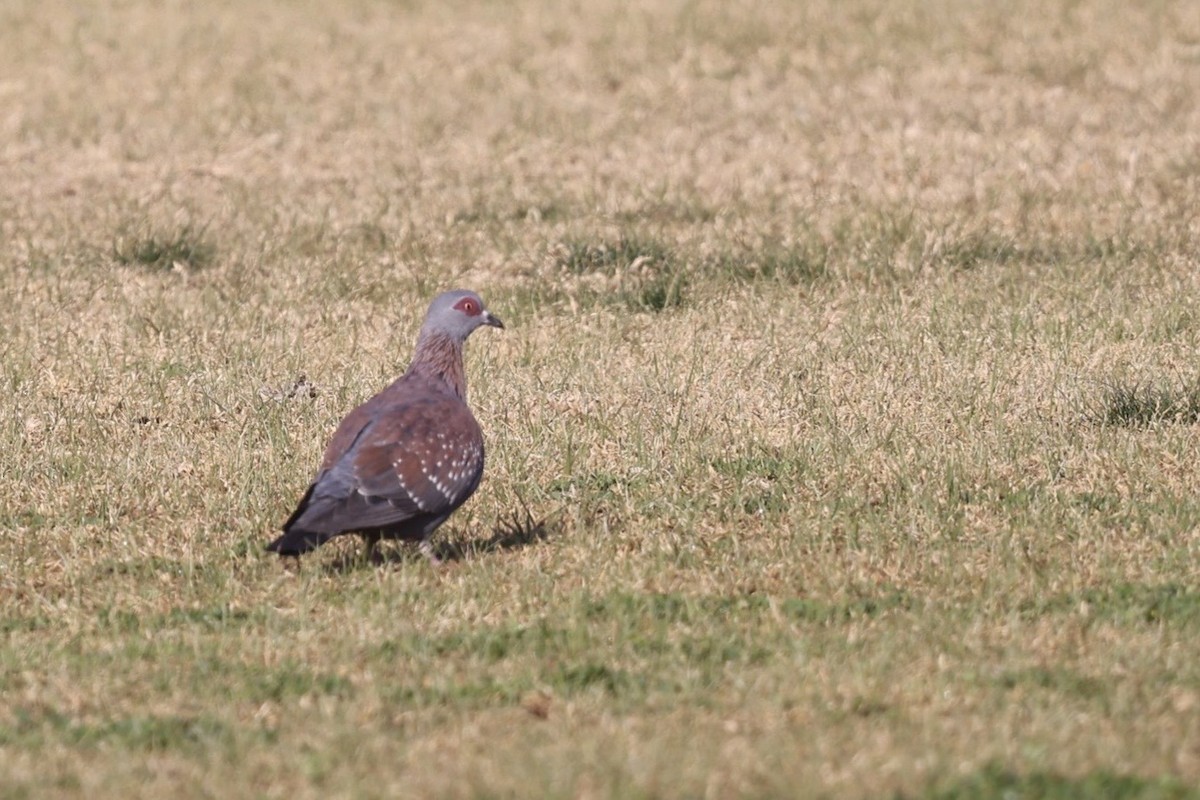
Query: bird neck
x=440, y=357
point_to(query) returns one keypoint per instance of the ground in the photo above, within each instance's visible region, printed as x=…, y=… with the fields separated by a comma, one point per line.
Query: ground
x=841, y=441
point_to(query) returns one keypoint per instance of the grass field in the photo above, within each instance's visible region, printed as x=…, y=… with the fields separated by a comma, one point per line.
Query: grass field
x=842, y=442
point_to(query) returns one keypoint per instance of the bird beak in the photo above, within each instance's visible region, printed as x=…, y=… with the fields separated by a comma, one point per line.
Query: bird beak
x=491, y=319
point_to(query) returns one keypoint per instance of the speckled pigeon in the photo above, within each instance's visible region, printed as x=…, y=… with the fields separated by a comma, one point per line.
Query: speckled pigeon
x=403, y=461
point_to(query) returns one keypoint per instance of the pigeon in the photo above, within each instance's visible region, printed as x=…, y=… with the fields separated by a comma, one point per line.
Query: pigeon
x=403, y=461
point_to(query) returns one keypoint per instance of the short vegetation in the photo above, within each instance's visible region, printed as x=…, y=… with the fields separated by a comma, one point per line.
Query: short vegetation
x=842, y=441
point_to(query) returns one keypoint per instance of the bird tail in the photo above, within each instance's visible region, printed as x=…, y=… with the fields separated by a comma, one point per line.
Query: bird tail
x=295, y=540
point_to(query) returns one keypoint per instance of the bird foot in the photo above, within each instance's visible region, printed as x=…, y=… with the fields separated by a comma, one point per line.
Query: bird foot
x=426, y=548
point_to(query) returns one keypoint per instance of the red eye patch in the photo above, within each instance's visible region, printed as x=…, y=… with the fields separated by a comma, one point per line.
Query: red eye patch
x=467, y=306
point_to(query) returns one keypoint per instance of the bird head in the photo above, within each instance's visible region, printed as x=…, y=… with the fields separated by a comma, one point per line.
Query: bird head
x=456, y=314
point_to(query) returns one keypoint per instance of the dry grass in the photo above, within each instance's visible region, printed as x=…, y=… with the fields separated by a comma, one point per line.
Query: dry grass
x=849, y=386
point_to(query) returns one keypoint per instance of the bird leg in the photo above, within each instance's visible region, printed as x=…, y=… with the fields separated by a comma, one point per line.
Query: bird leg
x=426, y=548
x=372, y=553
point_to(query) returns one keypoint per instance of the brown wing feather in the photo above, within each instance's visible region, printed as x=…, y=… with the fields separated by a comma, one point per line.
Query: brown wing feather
x=428, y=456
x=394, y=461
x=349, y=429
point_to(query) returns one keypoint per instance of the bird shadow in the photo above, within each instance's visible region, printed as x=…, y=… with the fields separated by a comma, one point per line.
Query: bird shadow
x=514, y=532
x=520, y=529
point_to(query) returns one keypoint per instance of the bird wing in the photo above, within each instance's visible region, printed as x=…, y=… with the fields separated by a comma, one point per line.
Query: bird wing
x=422, y=456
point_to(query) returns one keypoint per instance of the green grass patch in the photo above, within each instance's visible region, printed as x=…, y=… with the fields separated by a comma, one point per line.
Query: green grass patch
x=734, y=610
x=289, y=681
x=800, y=262
x=211, y=618
x=154, y=733
x=1126, y=603
x=1138, y=404
x=185, y=247
x=973, y=249
x=996, y=782
x=637, y=272
x=146, y=567
x=1056, y=680
x=24, y=623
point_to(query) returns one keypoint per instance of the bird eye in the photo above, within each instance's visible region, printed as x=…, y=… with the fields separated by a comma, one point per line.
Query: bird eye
x=468, y=306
